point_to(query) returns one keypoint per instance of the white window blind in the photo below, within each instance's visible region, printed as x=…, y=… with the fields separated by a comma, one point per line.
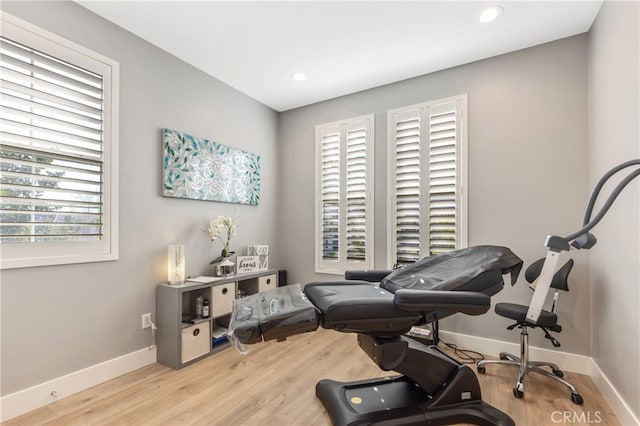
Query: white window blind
x=344, y=201
x=56, y=150
x=330, y=195
x=427, y=176
x=356, y=188
x=407, y=184
x=443, y=185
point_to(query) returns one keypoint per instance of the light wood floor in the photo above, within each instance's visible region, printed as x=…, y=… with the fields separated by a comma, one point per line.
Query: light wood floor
x=275, y=385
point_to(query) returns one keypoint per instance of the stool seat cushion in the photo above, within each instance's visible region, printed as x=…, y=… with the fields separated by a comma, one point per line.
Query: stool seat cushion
x=519, y=314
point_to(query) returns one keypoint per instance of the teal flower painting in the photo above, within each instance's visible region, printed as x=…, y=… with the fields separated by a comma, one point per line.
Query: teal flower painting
x=202, y=169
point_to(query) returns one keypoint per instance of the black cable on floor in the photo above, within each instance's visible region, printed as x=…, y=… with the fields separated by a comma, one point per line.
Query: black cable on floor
x=466, y=356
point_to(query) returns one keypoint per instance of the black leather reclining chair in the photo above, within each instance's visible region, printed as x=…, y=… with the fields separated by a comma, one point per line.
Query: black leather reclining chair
x=433, y=388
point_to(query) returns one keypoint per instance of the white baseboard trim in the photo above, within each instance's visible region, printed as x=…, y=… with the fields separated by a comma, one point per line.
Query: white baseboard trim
x=618, y=405
x=575, y=363
x=566, y=361
x=37, y=396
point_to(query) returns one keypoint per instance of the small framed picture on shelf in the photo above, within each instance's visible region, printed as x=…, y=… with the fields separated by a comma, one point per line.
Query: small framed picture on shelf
x=247, y=264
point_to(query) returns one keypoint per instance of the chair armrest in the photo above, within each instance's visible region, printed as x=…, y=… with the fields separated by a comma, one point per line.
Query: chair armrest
x=466, y=302
x=373, y=276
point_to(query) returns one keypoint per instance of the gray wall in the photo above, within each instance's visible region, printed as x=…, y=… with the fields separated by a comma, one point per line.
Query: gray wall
x=57, y=320
x=528, y=168
x=614, y=137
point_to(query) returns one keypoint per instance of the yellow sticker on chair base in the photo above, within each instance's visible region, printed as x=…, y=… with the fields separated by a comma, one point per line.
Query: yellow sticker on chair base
x=356, y=400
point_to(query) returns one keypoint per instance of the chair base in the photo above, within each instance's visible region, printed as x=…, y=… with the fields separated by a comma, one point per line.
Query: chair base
x=433, y=389
x=531, y=366
x=398, y=401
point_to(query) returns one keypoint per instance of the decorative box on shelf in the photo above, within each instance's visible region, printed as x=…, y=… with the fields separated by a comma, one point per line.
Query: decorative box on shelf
x=262, y=251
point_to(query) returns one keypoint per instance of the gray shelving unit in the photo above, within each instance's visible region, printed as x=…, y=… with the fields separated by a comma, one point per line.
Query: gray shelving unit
x=182, y=343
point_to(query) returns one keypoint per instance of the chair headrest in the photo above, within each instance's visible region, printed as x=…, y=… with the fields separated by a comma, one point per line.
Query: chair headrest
x=560, y=279
x=454, y=269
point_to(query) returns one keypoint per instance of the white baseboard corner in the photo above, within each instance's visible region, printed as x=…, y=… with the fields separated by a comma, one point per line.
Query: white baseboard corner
x=37, y=396
x=618, y=405
x=575, y=363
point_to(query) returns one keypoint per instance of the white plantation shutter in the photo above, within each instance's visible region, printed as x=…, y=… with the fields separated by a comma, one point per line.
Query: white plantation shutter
x=56, y=149
x=427, y=152
x=344, y=201
x=356, y=194
x=330, y=195
x=407, y=184
x=51, y=152
x=443, y=182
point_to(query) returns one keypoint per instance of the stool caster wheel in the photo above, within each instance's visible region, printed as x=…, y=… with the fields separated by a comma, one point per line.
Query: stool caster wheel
x=519, y=393
x=558, y=373
x=481, y=369
x=576, y=398
x=504, y=357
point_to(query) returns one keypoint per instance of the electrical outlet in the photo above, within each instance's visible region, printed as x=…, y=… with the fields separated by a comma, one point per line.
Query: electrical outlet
x=146, y=320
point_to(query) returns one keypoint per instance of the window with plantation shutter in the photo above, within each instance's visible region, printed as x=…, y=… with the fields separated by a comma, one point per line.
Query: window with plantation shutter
x=344, y=201
x=58, y=170
x=427, y=178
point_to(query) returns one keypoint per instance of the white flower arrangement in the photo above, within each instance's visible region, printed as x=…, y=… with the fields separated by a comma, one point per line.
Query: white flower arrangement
x=223, y=228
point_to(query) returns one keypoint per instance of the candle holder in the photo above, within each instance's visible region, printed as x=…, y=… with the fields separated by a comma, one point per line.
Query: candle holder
x=176, y=265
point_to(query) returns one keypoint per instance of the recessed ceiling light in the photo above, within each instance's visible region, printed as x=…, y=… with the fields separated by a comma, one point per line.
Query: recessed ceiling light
x=490, y=14
x=298, y=76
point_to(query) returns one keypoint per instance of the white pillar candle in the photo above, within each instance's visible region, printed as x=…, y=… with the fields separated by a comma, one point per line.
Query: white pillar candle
x=176, y=265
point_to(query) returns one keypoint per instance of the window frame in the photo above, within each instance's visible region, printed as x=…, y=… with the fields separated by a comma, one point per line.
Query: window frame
x=33, y=254
x=340, y=266
x=461, y=106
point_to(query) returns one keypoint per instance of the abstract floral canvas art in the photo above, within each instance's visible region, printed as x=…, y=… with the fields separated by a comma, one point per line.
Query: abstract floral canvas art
x=202, y=169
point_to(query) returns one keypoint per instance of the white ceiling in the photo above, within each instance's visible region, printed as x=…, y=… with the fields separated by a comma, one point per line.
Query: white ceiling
x=343, y=47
